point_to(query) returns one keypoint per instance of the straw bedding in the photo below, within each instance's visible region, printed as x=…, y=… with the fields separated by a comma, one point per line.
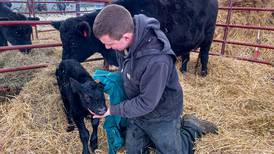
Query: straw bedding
x=236, y=95
x=239, y=97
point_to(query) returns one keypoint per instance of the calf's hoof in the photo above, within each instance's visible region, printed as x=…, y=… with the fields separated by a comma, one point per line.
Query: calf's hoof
x=93, y=146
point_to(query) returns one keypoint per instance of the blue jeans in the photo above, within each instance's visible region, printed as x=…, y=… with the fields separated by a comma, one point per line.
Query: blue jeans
x=167, y=137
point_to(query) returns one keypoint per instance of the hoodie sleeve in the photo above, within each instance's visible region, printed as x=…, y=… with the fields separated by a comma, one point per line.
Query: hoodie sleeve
x=152, y=86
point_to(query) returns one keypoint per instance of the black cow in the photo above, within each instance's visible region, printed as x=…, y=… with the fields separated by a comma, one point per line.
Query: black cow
x=188, y=24
x=16, y=34
x=80, y=95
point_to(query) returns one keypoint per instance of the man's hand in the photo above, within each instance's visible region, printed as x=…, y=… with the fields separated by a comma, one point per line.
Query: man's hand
x=100, y=116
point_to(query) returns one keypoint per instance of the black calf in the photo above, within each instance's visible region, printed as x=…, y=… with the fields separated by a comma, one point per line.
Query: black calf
x=80, y=95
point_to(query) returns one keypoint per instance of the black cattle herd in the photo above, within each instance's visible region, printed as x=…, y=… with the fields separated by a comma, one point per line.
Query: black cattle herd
x=188, y=25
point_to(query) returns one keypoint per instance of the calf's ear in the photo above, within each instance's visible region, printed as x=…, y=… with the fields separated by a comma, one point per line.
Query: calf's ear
x=84, y=29
x=75, y=85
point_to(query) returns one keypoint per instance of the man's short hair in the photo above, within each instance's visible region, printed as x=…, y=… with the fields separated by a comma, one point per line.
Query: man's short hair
x=113, y=20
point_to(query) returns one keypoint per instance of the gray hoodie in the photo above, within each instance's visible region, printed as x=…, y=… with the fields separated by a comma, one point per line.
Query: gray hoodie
x=150, y=77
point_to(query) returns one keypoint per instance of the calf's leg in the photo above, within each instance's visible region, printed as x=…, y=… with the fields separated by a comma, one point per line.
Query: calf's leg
x=84, y=134
x=66, y=95
x=94, y=135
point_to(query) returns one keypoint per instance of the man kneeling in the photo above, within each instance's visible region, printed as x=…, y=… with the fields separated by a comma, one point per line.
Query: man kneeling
x=150, y=80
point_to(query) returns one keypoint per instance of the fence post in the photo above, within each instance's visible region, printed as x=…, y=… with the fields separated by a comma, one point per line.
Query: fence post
x=256, y=53
x=33, y=13
x=229, y=12
x=30, y=9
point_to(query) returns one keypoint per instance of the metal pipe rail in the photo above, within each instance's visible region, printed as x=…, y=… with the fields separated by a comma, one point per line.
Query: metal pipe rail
x=227, y=26
x=99, y=1
x=246, y=27
x=36, y=66
x=246, y=9
x=30, y=67
x=16, y=47
x=239, y=58
x=19, y=22
x=64, y=1
x=245, y=44
x=22, y=68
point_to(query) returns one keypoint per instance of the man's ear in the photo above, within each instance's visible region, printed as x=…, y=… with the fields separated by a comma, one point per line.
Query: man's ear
x=75, y=85
x=128, y=36
x=84, y=29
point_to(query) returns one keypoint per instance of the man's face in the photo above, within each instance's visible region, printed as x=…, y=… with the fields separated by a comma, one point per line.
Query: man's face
x=119, y=45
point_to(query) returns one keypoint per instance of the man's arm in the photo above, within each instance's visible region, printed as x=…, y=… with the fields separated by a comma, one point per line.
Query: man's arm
x=152, y=86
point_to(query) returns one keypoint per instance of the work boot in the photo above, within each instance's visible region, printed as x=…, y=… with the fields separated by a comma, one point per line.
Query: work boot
x=203, y=125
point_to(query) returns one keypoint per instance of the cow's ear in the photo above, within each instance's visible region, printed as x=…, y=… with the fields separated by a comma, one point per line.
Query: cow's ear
x=33, y=18
x=75, y=85
x=4, y=19
x=84, y=29
x=57, y=24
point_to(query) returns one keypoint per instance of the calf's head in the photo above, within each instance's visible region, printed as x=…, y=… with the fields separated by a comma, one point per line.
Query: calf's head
x=91, y=95
x=18, y=34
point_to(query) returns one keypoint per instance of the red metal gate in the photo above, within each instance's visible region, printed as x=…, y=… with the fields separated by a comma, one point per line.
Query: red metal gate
x=224, y=42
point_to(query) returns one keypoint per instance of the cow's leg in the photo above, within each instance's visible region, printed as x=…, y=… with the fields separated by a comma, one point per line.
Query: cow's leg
x=84, y=134
x=185, y=59
x=94, y=135
x=204, y=51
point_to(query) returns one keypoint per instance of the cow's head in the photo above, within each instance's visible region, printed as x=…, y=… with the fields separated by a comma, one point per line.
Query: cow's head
x=77, y=38
x=91, y=95
x=18, y=34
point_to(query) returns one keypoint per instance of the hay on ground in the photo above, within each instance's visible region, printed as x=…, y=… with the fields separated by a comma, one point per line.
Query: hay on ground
x=236, y=95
